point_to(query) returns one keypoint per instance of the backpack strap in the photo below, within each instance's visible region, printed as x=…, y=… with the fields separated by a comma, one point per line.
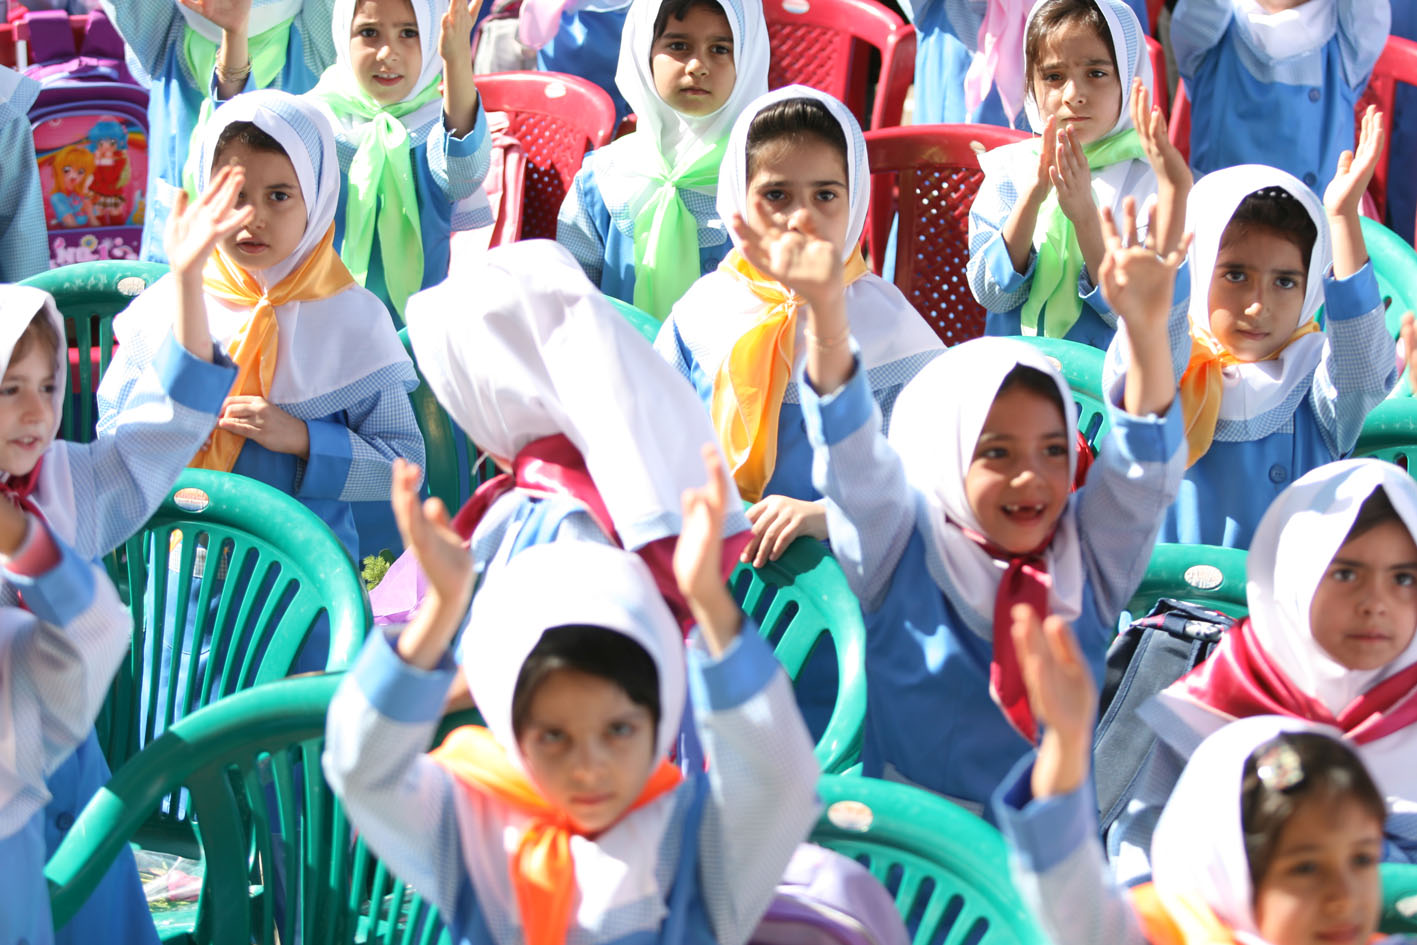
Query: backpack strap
x=51, y=40
x=101, y=40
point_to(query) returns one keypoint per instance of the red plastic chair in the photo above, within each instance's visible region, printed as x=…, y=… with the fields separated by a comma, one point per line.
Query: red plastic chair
x=1160, y=89
x=1398, y=63
x=826, y=44
x=556, y=118
x=1153, y=14
x=1178, y=122
x=929, y=174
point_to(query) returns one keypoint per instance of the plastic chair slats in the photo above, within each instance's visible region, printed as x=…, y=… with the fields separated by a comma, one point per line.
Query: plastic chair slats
x=1206, y=575
x=1390, y=433
x=1082, y=368
x=1395, y=264
x=928, y=175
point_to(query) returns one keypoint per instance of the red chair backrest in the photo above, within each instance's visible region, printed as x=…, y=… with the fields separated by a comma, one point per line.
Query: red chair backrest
x=826, y=44
x=1178, y=125
x=1398, y=63
x=1153, y=14
x=556, y=118
x=929, y=174
x=1161, y=90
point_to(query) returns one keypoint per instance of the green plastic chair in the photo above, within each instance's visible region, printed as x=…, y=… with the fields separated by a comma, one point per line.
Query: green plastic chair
x=271, y=570
x=1390, y=432
x=947, y=869
x=1082, y=368
x=1199, y=574
x=89, y=295
x=798, y=601
x=1395, y=264
x=1399, y=915
x=449, y=455
x=645, y=323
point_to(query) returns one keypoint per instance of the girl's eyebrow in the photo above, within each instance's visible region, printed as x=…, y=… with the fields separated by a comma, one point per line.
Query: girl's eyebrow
x=280, y=186
x=1352, y=563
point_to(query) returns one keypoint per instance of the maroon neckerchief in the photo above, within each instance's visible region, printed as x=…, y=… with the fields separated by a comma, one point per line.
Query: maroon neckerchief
x=18, y=490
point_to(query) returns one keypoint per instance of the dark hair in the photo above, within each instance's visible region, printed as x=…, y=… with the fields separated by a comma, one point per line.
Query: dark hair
x=247, y=133
x=1274, y=210
x=1052, y=16
x=594, y=651
x=679, y=9
x=1375, y=510
x=794, y=120
x=1035, y=382
x=1310, y=768
x=39, y=331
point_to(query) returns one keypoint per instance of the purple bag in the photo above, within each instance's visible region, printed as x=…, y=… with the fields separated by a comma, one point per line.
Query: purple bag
x=91, y=140
x=825, y=898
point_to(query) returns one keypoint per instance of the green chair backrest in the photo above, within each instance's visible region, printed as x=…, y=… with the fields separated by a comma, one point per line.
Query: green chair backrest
x=449, y=455
x=798, y=601
x=1082, y=368
x=1399, y=916
x=1395, y=264
x=947, y=869
x=1390, y=433
x=1199, y=574
x=643, y=321
x=270, y=570
x=89, y=295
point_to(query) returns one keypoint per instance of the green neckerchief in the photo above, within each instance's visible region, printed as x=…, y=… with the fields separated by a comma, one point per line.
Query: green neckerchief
x=1055, y=274
x=666, y=232
x=381, y=189
x=268, y=51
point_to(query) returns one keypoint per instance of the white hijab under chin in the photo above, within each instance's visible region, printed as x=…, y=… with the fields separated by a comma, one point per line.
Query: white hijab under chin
x=596, y=586
x=934, y=428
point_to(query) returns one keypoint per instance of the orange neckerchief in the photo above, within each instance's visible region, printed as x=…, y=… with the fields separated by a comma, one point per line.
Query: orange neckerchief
x=1202, y=386
x=254, y=347
x=747, y=392
x=543, y=874
x=1177, y=922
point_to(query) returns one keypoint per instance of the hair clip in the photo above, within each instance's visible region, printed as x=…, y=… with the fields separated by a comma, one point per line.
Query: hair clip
x=1279, y=767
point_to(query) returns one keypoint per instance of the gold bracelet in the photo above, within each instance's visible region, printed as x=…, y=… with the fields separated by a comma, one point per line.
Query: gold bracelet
x=239, y=76
x=836, y=342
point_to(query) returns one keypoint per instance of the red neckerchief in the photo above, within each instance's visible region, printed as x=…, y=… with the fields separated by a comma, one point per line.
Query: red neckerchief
x=19, y=488
x=1025, y=581
x=1240, y=680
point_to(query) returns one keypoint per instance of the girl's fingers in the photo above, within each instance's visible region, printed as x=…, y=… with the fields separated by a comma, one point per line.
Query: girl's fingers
x=1110, y=237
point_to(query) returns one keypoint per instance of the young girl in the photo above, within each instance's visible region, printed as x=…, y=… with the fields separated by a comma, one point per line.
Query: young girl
x=1276, y=81
x=1272, y=836
x=57, y=658
x=24, y=245
x=563, y=820
x=640, y=215
x=551, y=381
x=188, y=51
x=796, y=157
x=971, y=496
x=1267, y=395
x=407, y=152
x=320, y=406
x=1331, y=642
x=1034, y=241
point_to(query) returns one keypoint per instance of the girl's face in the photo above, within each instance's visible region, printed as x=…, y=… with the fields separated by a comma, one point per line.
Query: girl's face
x=384, y=49
x=1256, y=292
x=589, y=749
x=798, y=180
x=1364, y=611
x=1076, y=82
x=274, y=190
x=692, y=62
x=1322, y=885
x=26, y=409
x=1018, y=481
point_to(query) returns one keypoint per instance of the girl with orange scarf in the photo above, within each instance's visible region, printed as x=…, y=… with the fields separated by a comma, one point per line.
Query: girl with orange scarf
x=563, y=820
x=1267, y=394
x=1272, y=837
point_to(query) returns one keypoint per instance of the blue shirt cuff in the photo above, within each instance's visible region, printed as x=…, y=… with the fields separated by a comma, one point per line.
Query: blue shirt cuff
x=1149, y=439
x=1043, y=833
x=1001, y=267
x=195, y=384
x=831, y=418
x=60, y=594
x=396, y=690
x=327, y=469
x=743, y=671
x=468, y=144
x=1352, y=297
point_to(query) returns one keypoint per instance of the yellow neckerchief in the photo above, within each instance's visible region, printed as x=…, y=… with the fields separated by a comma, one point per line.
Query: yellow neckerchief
x=1202, y=386
x=254, y=347
x=748, y=389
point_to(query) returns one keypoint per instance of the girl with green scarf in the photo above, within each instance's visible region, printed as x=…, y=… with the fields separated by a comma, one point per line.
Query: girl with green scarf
x=180, y=47
x=640, y=217
x=407, y=151
x=1035, y=240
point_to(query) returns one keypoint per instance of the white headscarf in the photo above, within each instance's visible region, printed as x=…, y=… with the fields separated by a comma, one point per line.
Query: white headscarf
x=523, y=347
x=596, y=586
x=18, y=306
x=347, y=336
x=718, y=309
x=1288, y=33
x=429, y=15
x=265, y=14
x=935, y=427
x=1254, y=388
x=1198, y=849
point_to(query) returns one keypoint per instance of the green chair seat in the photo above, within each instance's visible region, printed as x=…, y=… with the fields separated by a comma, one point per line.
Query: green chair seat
x=1390, y=433
x=1082, y=368
x=1399, y=916
x=1199, y=574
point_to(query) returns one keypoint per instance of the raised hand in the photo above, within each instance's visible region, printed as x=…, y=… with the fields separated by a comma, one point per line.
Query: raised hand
x=1136, y=281
x=426, y=531
x=1355, y=168
x=779, y=521
x=459, y=86
x=698, y=555
x=1062, y=696
x=455, y=32
x=1047, y=157
x=196, y=226
x=1073, y=179
x=1150, y=123
x=230, y=15
x=794, y=255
